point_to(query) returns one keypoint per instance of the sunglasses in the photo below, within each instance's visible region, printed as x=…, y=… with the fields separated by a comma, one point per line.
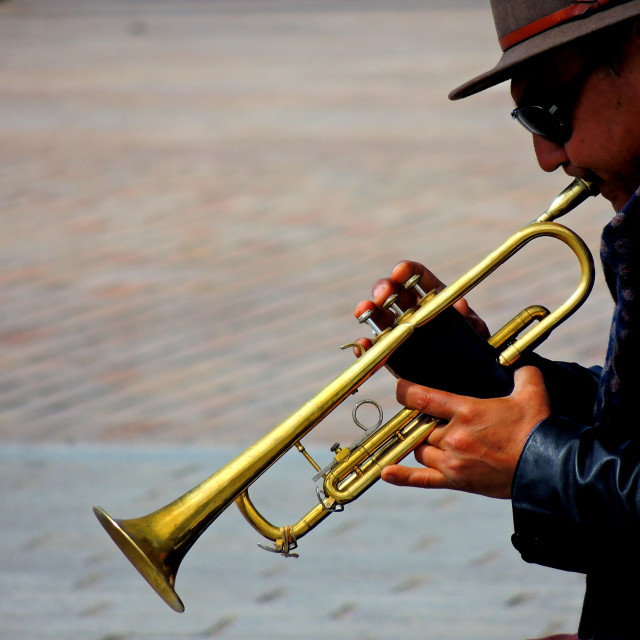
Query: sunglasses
x=551, y=122
x=552, y=119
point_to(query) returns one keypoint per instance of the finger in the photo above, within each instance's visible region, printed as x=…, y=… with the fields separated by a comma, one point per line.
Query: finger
x=407, y=269
x=429, y=453
x=433, y=402
x=382, y=289
x=404, y=271
x=363, y=306
x=463, y=308
x=365, y=343
x=402, y=476
x=381, y=317
x=387, y=287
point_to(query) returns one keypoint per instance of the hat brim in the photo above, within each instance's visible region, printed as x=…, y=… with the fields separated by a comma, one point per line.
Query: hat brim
x=514, y=58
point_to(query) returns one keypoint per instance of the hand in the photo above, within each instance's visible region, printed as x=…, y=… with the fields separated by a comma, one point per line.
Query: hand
x=385, y=287
x=478, y=447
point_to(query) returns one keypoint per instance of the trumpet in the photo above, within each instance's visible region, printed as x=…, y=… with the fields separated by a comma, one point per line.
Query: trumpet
x=156, y=543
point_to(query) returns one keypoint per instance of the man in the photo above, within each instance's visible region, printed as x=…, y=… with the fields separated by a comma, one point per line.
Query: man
x=571, y=469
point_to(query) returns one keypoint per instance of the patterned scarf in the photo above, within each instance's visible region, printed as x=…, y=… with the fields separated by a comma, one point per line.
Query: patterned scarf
x=620, y=254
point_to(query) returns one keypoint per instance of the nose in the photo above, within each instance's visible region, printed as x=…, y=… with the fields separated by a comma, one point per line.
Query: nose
x=550, y=155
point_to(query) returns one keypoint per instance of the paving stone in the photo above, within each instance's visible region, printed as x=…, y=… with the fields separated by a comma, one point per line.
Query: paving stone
x=393, y=564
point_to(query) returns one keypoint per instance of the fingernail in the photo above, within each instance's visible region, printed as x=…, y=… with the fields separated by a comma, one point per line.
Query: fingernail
x=387, y=474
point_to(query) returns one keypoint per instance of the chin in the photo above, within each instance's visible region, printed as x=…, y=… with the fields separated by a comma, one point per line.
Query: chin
x=615, y=197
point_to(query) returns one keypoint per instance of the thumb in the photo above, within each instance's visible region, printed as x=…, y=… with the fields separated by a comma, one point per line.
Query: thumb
x=529, y=386
x=530, y=404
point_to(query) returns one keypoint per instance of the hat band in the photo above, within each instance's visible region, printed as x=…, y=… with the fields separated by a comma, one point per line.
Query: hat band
x=552, y=20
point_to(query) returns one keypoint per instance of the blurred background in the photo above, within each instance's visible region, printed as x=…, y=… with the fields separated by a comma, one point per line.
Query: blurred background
x=194, y=196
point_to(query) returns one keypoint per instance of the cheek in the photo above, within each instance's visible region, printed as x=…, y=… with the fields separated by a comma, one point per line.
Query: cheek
x=606, y=133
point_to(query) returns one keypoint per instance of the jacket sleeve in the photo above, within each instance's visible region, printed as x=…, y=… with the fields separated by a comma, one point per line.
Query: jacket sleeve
x=576, y=497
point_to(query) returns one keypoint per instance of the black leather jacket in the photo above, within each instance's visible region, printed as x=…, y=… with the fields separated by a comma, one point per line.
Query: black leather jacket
x=576, y=503
x=576, y=489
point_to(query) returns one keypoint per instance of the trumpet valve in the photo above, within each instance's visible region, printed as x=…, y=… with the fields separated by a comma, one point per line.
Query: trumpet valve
x=366, y=318
x=391, y=303
x=414, y=283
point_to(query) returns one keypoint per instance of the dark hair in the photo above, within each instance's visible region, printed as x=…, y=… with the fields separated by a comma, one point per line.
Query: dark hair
x=608, y=46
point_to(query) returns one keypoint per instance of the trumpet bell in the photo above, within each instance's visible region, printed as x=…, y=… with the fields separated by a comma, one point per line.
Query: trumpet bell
x=143, y=555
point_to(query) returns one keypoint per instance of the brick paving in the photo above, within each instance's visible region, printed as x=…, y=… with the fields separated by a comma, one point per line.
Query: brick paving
x=193, y=198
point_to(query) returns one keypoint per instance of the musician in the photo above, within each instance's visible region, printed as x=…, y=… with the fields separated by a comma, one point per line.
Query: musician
x=570, y=467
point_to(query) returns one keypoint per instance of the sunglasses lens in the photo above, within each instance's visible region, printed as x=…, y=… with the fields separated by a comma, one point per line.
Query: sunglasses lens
x=543, y=122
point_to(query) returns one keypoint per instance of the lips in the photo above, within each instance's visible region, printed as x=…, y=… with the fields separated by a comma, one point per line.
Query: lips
x=583, y=174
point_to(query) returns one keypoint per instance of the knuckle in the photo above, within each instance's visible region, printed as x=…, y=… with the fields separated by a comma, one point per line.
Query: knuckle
x=457, y=441
x=467, y=413
x=423, y=399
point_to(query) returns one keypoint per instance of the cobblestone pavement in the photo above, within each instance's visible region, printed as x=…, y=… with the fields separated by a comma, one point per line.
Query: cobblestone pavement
x=394, y=564
x=194, y=195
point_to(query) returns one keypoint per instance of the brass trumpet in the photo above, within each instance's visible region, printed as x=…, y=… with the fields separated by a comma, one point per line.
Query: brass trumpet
x=156, y=543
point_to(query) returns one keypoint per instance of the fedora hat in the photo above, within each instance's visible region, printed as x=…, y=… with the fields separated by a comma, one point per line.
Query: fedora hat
x=528, y=28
